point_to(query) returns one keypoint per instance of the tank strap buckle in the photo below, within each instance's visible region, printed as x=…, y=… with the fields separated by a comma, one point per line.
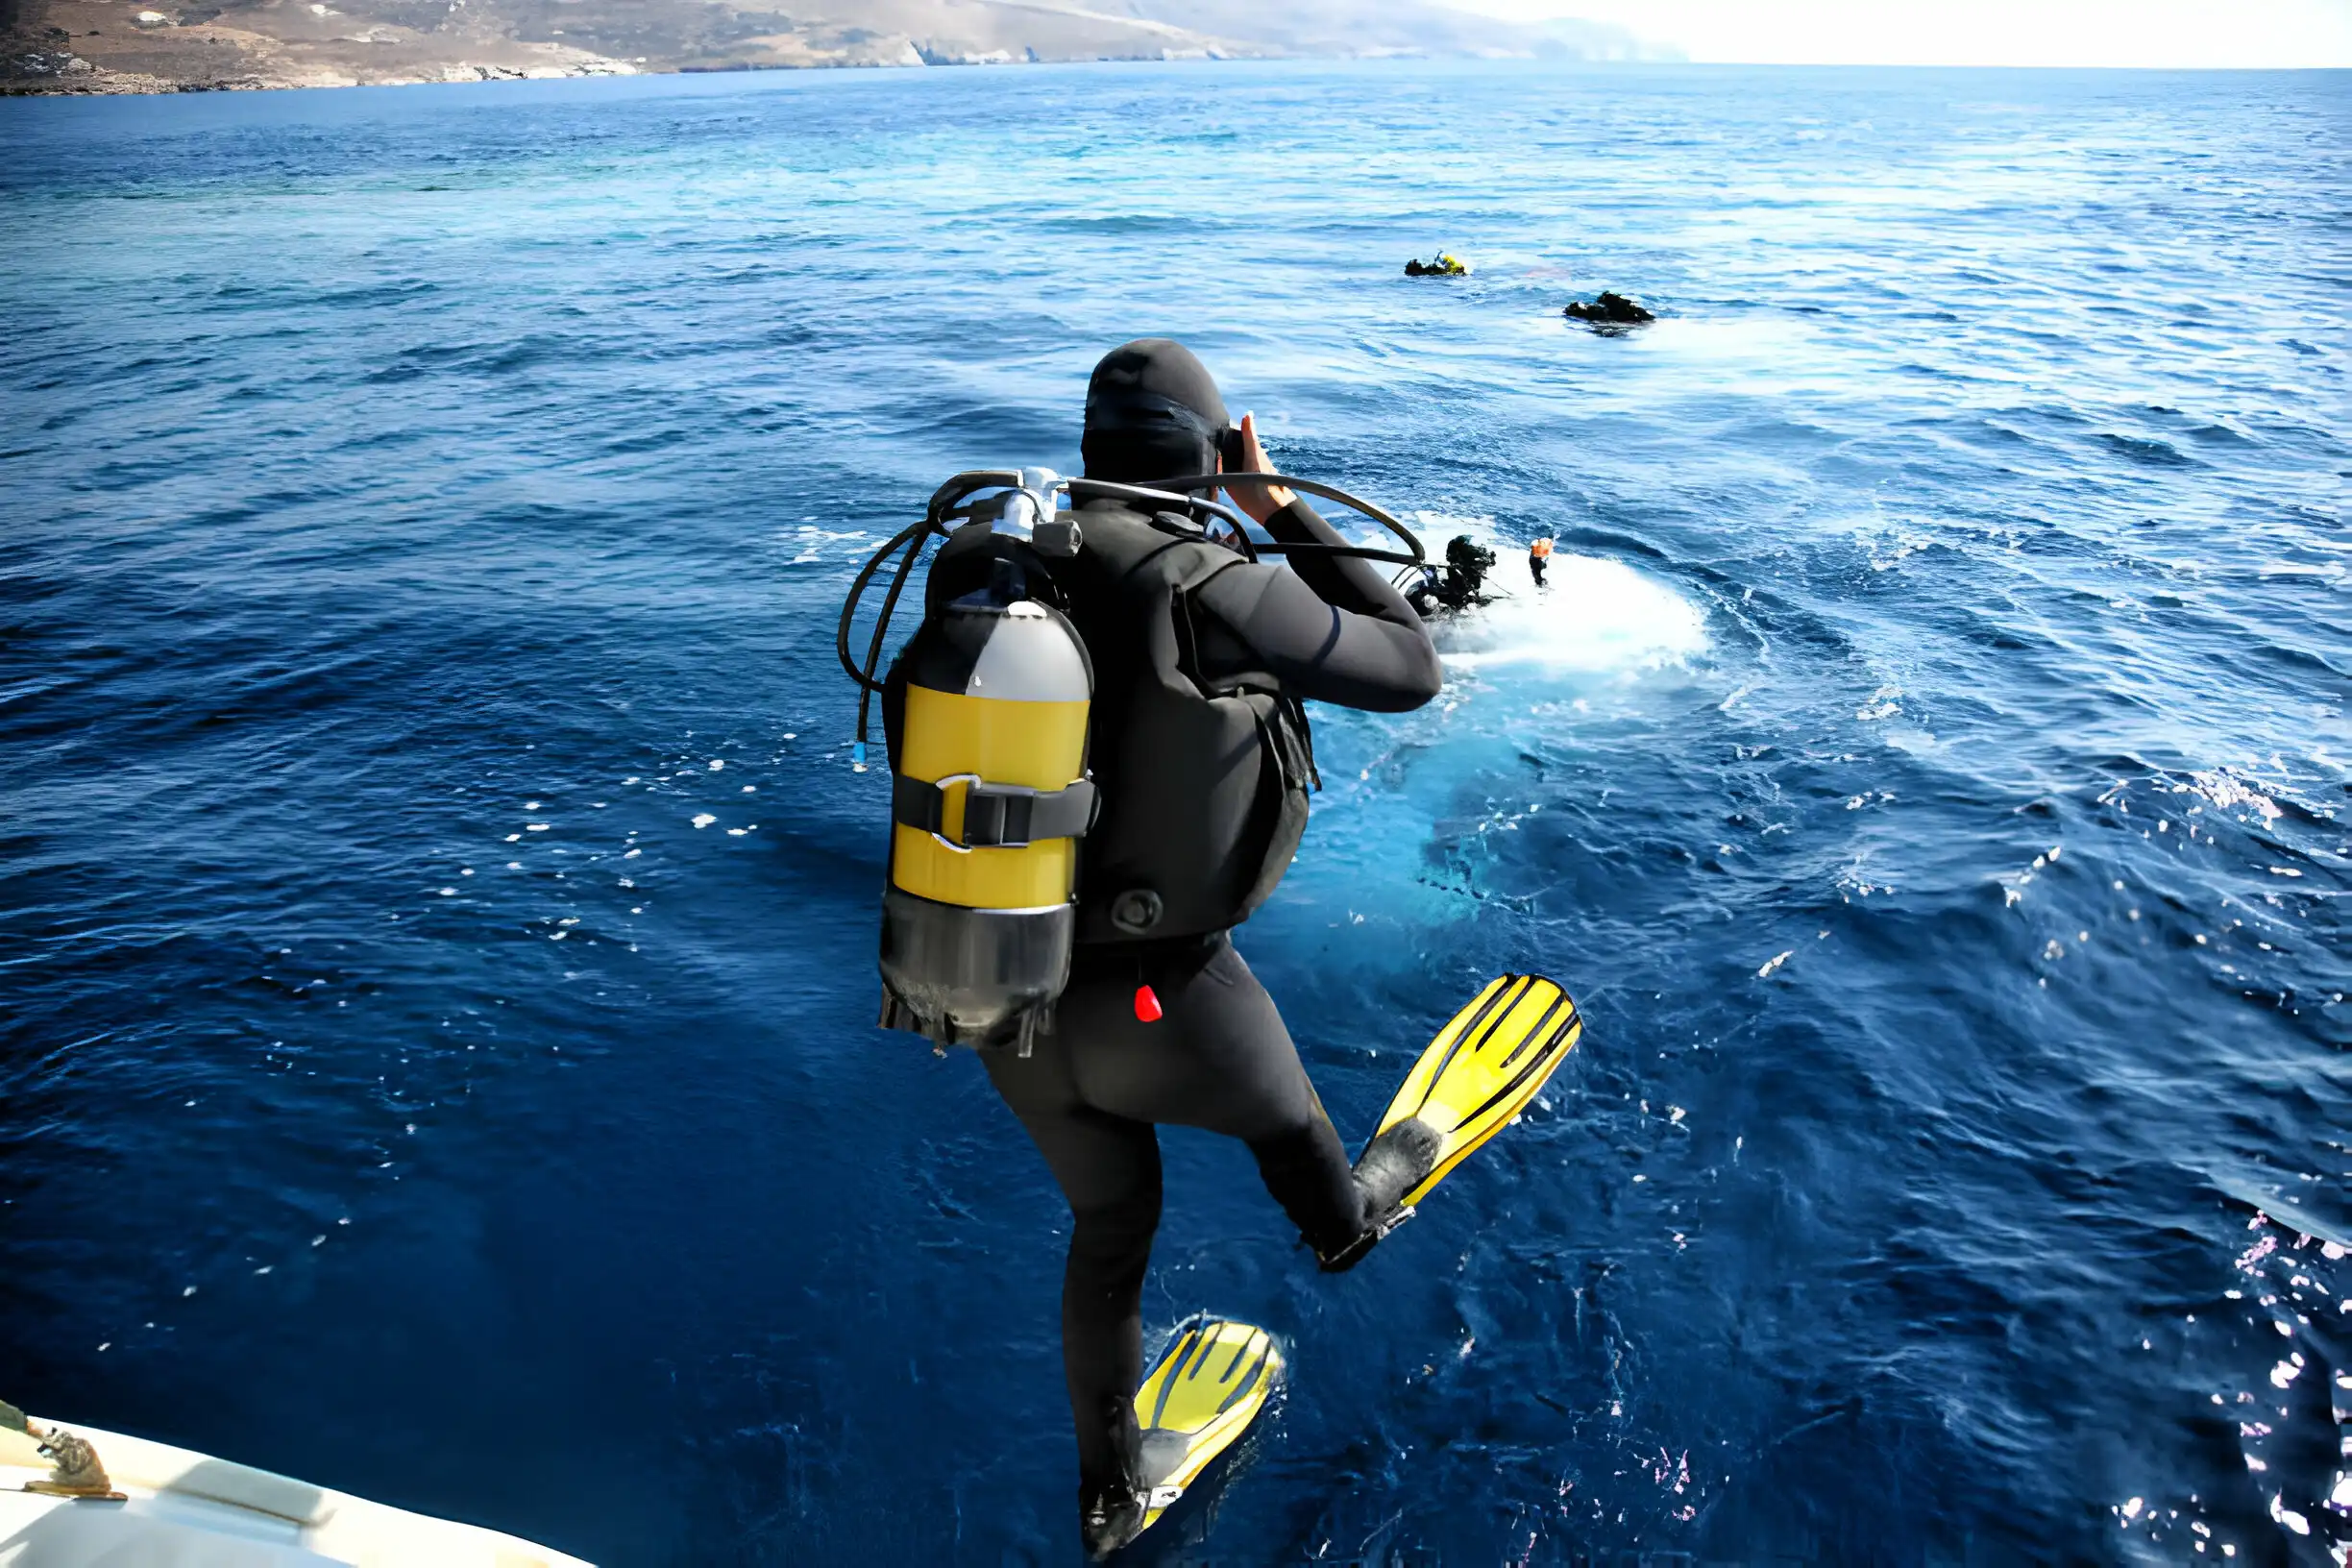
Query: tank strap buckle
x=996, y=816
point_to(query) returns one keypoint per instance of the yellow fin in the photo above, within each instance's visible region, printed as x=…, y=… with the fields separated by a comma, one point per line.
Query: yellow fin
x=1484, y=1067
x=1204, y=1394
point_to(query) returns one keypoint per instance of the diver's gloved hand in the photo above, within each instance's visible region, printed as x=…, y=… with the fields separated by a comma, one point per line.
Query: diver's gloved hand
x=1260, y=500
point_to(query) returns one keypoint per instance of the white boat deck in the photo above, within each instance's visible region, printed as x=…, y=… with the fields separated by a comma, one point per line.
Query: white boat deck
x=183, y=1509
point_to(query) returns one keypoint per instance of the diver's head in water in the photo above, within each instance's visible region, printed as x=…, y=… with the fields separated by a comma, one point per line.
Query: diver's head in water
x=1152, y=412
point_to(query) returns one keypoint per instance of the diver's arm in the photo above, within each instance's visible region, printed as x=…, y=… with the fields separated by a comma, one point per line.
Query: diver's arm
x=1264, y=619
x=1348, y=581
x=1330, y=628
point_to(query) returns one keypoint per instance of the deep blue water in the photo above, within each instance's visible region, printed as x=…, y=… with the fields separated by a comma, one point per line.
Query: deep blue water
x=1930, y=771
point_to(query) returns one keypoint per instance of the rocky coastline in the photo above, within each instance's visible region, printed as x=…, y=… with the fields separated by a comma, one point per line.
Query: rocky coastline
x=152, y=46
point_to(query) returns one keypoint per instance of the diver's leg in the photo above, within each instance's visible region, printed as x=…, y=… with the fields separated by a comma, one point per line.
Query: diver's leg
x=1306, y=1172
x=1218, y=1057
x=1109, y=1168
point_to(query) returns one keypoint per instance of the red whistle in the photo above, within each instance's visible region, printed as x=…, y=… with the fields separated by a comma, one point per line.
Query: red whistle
x=1147, y=1005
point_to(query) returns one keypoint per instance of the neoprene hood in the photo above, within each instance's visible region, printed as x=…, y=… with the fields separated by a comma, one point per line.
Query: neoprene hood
x=1152, y=412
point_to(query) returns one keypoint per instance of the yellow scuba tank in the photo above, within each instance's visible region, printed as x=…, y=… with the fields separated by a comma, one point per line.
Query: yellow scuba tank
x=988, y=801
x=988, y=709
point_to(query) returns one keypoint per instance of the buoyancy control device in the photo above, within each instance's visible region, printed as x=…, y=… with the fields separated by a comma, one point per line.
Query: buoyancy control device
x=989, y=707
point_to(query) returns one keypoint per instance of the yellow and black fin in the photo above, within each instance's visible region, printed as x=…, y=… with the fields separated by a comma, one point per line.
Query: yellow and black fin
x=1471, y=1082
x=1202, y=1395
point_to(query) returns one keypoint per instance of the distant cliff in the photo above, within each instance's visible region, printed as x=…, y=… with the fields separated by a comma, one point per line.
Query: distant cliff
x=169, y=45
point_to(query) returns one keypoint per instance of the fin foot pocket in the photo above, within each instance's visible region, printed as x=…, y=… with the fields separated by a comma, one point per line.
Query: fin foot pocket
x=1398, y=1159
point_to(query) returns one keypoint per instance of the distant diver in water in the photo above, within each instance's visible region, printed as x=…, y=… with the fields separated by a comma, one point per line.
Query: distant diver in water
x=1539, y=557
x=1460, y=586
x=1447, y=266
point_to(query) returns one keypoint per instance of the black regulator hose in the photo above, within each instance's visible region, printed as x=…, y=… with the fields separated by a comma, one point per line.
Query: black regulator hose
x=857, y=592
x=1168, y=491
x=1312, y=487
x=945, y=508
x=941, y=511
x=873, y=649
x=936, y=516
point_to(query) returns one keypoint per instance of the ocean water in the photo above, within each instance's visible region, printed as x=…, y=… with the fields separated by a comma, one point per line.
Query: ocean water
x=435, y=954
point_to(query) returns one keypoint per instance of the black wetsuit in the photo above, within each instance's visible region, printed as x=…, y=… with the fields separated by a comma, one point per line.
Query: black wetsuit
x=1331, y=630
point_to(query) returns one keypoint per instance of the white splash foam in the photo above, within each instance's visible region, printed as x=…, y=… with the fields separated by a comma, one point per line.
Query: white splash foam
x=2226, y=789
x=1592, y=614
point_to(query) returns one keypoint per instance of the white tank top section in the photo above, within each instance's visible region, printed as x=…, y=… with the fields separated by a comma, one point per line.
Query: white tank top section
x=1030, y=658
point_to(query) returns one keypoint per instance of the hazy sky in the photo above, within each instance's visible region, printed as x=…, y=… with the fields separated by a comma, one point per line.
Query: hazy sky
x=2267, y=33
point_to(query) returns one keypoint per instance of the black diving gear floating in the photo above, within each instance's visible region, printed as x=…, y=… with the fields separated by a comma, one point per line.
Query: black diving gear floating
x=987, y=708
x=1460, y=586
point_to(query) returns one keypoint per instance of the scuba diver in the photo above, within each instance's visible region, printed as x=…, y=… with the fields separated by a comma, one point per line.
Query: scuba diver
x=1156, y=676
x=1460, y=586
x=1539, y=557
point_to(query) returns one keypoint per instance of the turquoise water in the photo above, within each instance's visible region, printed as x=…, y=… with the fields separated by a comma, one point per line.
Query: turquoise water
x=427, y=507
